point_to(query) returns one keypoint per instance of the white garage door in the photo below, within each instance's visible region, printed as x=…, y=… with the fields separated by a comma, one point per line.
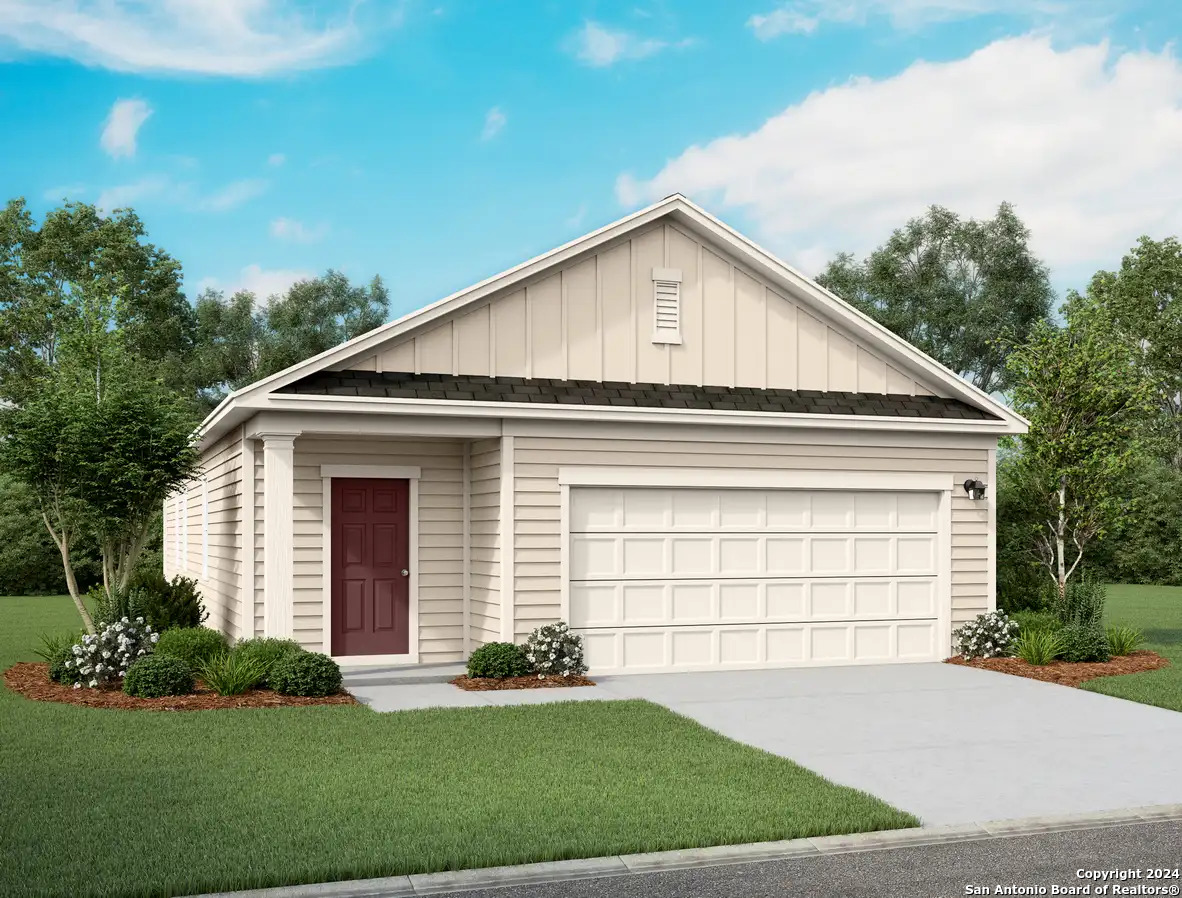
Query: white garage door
x=692, y=579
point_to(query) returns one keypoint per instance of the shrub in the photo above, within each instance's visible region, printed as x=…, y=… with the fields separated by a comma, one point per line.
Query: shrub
x=1084, y=642
x=232, y=673
x=1124, y=640
x=112, y=607
x=105, y=656
x=193, y=645
x=553, y=650
x=266, y=650
x=168, y=604
x=1080, y=603
x=57, y=650
x=1036, y=621
x=985, y=636
x=155, y=675
x=498, y=660
x=1039, y=646
x=306, y=673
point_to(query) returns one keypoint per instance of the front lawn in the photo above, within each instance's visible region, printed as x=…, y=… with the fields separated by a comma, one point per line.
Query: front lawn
x=99, y=802
x=1157, y=612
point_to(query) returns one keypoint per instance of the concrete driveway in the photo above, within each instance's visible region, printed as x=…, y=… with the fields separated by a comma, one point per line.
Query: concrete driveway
x=950, y=744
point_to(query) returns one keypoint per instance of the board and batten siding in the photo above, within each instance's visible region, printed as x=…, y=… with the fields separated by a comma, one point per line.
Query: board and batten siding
x=537, y=496
x=593, y=320
x=441, y=535
x=205, y=517
x=484, y=564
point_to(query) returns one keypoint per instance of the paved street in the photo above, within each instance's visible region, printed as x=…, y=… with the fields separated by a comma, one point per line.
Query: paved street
x=1044, y=860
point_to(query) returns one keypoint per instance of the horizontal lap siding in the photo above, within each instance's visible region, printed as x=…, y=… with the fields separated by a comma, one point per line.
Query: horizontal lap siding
x=484, y=527
x=537, y=524
x=441, y=535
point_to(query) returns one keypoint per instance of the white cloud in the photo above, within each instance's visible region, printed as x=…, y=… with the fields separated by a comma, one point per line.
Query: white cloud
x=242, y=38
x=276, y=159
x=122, y=126
x=297, y=231
x=599, y=46
x=262, y=282
x=805, y=16
x=494, y=123
x=148, y=187
x=1085, y=142
x=233, y=194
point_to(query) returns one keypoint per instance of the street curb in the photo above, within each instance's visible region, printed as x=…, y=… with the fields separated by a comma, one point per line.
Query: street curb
x=719, y=855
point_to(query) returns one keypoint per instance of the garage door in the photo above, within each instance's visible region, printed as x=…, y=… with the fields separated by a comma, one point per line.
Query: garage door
x=692, y=579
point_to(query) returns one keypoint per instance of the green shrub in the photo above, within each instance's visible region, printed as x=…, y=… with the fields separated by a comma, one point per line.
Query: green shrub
x=552, y=650
x=168, y=604
x=1031, y=621
x=1038, y=646
x=1124, y=640
x=193, y=645
x=57, y=650
x=232, y=673
x=1084, y=642
x=112, y=607
x=155, y=675
x=266, y=650
x=498, y=660
x=985, y=636
x=1082, y=602
x=305, y=673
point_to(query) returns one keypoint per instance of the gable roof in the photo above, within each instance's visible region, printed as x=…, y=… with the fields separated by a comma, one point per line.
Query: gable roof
x=238, y=405
x=554, y=391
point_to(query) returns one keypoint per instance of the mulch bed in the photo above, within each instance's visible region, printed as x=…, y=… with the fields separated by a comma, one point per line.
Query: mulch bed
x=32, y=681
x=1066, y=673
x=483, y=684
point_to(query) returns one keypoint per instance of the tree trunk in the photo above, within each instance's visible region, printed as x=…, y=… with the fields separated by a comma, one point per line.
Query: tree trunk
x=63, y=545
x=1060, y=538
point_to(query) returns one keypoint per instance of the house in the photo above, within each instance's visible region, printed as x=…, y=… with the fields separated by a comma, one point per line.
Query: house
x=658, y=432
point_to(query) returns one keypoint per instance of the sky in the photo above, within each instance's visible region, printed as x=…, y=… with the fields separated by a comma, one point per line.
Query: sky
x=437, y=143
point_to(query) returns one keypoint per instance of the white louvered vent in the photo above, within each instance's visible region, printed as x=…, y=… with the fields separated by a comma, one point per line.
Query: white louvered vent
x=667, y=305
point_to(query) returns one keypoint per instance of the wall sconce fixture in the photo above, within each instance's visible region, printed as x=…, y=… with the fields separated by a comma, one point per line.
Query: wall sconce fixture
x=974, y=488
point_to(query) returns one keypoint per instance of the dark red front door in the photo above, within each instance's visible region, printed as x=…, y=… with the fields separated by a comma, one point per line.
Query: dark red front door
x=370, y=566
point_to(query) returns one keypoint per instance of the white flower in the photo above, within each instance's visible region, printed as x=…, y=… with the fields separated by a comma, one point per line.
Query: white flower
x=77, y=685
x=93, y=683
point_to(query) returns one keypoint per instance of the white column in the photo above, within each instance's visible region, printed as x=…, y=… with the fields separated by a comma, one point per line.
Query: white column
x=278, y=532
x=508, y=591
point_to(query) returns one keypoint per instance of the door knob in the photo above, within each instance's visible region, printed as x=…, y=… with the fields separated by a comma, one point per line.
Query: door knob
x=405, y=572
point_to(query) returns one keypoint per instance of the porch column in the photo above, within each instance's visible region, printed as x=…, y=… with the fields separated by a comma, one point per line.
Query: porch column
x=278, y=532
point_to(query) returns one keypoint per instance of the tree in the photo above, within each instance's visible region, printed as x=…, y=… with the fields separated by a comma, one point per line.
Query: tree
x=963, y=291
x=238, y=342
x=78, y=265
x=1144, y=304
x=1086, y=400
x=100, y=455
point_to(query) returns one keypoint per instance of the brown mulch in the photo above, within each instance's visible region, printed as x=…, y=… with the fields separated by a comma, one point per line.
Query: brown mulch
x=483, y=684
x=32, y=681
x=1067, y=673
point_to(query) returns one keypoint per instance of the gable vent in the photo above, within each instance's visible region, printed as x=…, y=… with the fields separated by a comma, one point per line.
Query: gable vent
x=667, y=305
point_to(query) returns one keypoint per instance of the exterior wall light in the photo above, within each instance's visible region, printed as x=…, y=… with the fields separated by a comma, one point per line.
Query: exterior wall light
x=974, y=488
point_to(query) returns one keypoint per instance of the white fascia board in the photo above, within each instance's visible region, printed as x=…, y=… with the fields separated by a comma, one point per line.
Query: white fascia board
x=731, y=478
x=524, y=410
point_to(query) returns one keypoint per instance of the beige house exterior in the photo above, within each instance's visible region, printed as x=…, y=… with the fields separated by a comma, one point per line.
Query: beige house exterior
x=658, y=432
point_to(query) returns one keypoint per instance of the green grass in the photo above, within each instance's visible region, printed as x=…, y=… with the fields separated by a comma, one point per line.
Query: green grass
x=96, y=802
x=1157, y=612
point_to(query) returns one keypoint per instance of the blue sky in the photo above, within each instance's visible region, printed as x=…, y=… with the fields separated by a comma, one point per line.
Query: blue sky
x=436, y=143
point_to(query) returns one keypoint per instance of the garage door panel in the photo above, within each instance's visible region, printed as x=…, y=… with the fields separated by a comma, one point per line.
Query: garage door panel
x=736, y=647
x=600, y=509
x=675, y=603
x=686, y=555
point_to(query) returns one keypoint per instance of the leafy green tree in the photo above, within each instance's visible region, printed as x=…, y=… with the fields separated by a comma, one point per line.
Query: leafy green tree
x=1087, y=402
x=79, y=265
x=1144, y=303
x=239, y=342
x=963, y=291
x=100, y=454
x=29, y=561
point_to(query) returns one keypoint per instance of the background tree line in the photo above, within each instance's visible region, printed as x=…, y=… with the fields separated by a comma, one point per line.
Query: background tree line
x=94, y=324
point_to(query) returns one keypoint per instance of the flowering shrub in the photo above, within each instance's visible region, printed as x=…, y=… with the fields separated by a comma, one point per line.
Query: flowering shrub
x=553, y=650
x=986, y=635
x=104, y=657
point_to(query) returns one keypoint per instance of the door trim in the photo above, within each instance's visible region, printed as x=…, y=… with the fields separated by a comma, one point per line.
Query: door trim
x=390, y=472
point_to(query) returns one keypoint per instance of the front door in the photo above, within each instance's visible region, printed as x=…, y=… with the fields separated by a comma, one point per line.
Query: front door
x=370, y=566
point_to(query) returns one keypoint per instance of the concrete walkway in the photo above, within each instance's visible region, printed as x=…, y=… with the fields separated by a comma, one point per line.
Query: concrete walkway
x=949, y=744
